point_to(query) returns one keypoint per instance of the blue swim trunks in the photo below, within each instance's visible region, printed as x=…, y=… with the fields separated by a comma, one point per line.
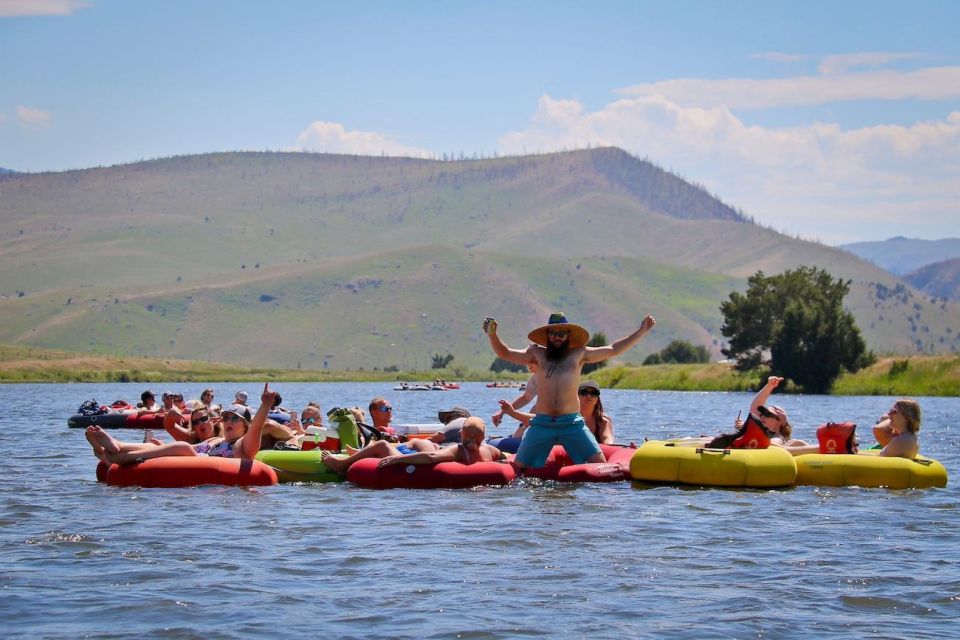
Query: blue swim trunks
x=404, y=449
x=545, y=431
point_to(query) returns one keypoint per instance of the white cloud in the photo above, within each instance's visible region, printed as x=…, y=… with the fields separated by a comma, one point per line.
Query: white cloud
x=333, y=137
x=872, y=59
x=777, y=56
x=808, y=180
x=32, y=118
x=933, y=83
x=19, y=8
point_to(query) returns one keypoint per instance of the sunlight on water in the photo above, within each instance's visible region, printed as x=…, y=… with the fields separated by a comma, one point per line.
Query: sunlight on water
x=532, y=559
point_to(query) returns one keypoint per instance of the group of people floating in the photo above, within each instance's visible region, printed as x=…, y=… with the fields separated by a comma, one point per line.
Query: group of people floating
x=567, y=411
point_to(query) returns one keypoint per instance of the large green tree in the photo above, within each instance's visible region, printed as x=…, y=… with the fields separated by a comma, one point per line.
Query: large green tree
x=795, y=324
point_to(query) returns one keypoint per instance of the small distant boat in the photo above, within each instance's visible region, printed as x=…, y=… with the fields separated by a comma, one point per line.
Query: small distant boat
x=403, y=386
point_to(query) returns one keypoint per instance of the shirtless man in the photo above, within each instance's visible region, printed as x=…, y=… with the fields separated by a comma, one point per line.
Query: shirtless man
x=559, y=350
x=471, y=449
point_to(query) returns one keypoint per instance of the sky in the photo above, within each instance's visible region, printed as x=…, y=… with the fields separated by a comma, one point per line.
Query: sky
x=831, y=121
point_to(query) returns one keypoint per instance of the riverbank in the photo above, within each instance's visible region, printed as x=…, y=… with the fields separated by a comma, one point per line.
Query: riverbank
x=899, y=376
x=889, y=376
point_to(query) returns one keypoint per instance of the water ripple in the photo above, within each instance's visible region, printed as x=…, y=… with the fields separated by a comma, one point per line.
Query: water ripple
x=533, y=559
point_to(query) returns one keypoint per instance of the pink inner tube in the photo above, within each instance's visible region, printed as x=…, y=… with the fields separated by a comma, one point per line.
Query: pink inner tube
x=559, y=466
x=144, y=421
x=445, y=475
x=188, y=471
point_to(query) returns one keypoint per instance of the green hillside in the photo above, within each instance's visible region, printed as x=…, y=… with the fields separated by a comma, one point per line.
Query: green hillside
x=291, y=259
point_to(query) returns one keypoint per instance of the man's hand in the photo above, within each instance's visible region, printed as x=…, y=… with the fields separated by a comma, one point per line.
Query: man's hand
x=268, y=397
x=489, y=326
x=648, y=323
x=388, y=461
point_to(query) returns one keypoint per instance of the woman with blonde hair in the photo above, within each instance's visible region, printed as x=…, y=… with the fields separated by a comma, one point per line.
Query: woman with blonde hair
x=200, y=425
x=898, y=428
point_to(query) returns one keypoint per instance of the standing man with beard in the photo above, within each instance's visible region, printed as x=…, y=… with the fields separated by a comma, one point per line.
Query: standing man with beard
x=560, y=350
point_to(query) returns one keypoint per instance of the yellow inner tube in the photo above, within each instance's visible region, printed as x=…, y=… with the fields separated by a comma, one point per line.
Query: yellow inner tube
x=675, y=461
x=867, y=469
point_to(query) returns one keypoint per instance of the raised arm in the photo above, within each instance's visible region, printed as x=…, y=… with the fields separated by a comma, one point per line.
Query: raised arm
x=598, y=354
x=171, y=422
x=249, y=443
x=764, y=394
x=502, y=350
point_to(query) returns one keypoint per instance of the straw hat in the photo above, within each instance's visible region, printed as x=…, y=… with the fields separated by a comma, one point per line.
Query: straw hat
x=578, y=335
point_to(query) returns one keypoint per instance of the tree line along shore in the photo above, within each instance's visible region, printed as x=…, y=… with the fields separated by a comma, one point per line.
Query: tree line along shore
x=919, y=375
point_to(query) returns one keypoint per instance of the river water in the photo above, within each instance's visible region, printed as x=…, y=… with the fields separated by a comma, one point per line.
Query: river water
x=81, y=559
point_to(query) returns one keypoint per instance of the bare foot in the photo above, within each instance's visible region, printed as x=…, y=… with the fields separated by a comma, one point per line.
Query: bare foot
x=350, y=450
x=88, y=434
x=100, y=438
x=334, y=464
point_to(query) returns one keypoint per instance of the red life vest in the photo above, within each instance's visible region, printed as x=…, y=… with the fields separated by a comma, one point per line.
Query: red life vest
x=753, y=435
x=837, y=437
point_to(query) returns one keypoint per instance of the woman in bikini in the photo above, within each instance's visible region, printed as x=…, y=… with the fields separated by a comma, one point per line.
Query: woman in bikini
x=240, y=439
x=599, y=423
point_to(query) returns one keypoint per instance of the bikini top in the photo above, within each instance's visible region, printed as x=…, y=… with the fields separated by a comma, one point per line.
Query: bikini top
x=222, y=449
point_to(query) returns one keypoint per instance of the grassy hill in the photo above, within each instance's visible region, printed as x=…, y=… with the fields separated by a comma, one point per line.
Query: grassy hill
x=291, y=259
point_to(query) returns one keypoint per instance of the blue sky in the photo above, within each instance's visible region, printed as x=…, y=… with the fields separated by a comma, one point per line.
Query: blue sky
x=837, y=121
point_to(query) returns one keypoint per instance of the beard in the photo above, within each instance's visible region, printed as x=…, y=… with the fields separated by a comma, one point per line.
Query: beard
x=557, y=353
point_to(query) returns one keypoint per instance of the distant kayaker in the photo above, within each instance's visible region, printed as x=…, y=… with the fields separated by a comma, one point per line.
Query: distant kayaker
x=560, y=350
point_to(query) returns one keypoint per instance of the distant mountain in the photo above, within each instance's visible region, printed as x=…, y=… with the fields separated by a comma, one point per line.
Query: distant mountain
x=901, y=255
x=940, y=279
x=295, y=259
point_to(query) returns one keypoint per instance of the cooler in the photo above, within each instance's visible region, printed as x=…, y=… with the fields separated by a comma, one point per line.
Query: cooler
x=417, y=430
x=321, y=438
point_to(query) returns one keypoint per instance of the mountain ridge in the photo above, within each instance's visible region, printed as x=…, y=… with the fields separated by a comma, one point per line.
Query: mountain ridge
x=941, y=279
x=164, y=255
x=900, y=255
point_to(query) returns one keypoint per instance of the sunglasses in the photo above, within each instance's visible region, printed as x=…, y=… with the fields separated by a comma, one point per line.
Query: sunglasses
x=385, y=408
x=201, y=420
x=309, y=420
x=231, y=417
x=557, y=334
x=590, y=392
x=893, y=411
